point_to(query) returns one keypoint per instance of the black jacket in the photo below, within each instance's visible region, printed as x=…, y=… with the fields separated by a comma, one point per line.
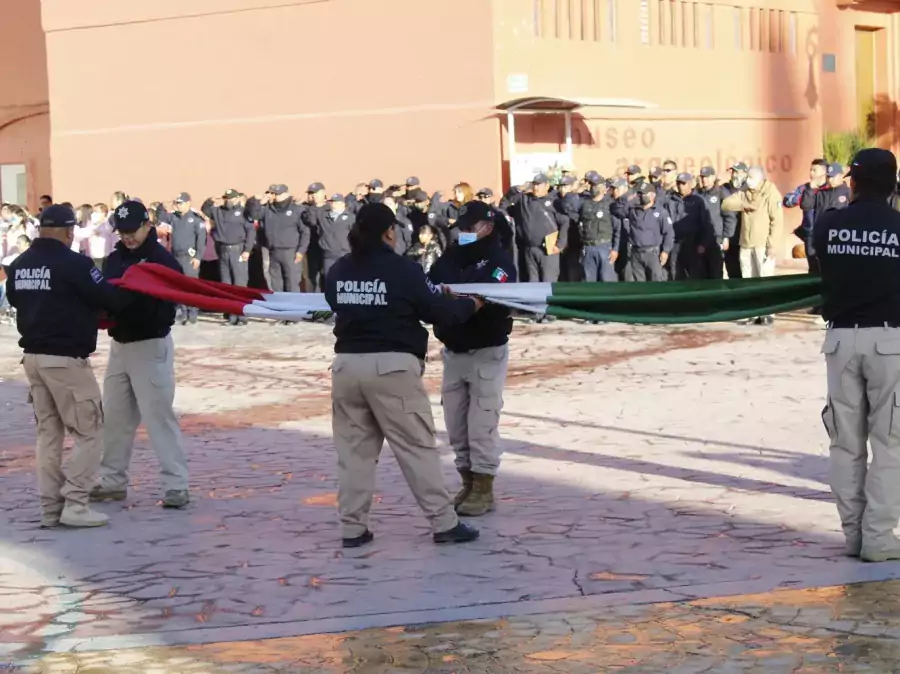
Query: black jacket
x=690, y=219
x=597, y=224
x=484, y=261
x=712, y=199
x=334, y=234
x=426, y=255
x=731, y=220
x=147, y=317
x=404, y=232
x=188, y=233
x=536, y=218
x=282, y=224
x=231, y=226
x=57, y=295
x=651, y=228
x=859, y=256
x=380, y=300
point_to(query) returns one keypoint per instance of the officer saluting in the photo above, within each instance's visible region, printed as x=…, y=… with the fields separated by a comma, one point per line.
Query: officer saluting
x=859, y=254
x=56, y=294
x=234, y=236
x=188, y=238
x=380, y=299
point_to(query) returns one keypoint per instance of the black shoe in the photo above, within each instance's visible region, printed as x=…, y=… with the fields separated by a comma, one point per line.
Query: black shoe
x=242, y=321
x=359, y=541
x=768, y=320
x=232, y=320
x=192, y=319
x=759, y=321
x=461, y=533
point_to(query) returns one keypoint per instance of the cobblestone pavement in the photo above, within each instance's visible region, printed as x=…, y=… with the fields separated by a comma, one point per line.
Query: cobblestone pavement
x=642, y=465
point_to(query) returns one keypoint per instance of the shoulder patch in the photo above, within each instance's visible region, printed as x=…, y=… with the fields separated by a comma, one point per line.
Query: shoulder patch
x=713, y=199
x=290, y=212
x=500, y=275
x=655, y=214
x=842, y=199
x=96, y=275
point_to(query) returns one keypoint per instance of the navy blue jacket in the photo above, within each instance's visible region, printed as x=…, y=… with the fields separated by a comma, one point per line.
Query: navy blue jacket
x=651, y=228
x=536, y=218
x=57, y=295
x=380, y=300
x=147, y=317
x=188, y=232
x=334, y=234
x=282, y=224
x=484, y=261
x=231, y=225
x=690, y=218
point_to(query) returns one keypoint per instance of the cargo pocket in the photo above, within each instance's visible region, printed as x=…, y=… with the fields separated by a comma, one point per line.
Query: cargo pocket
x=419, y=421
x=390, y=363
x=895, y=420
x=830, y=347
x=829, y=420
x=87, y=414
x=888, y=347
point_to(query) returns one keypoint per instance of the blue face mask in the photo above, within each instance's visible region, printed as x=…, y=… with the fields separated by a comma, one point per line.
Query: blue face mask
x=466, y=238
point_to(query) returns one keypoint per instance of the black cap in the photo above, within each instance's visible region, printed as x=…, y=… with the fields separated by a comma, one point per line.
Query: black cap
x=707, y=171
x=231, y=194
x=684, y=178
x=472, y=213
x=417, y=195
x=633, y=170
x=315, y=187
x=740, y=166
x=595, y=178
x=656, y=172
x=129, y=217
x=183, y=198
x=375, y=184
x=277, y=189
x=618, y=182
x=873, y=165
x=540, y=179
x=645, y=188
x=337, y=196
x=58, y=216
x=412, y=181
x=833, y=170
x=568, y=180
x=374, y=219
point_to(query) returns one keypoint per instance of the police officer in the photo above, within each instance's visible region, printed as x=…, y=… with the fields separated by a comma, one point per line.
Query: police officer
x=315, y=216
x=693, y=231
x=600, y=235
x=713, y=195
x=187, y=235
x=619, y=208
x=234, y=236
x=57, y=294
x=838, y=193
x=375, y=193
x=476, y=355
x=402, y=226
x=281, y=219
x=731, y=220
x=651, y=237
x=334, y=238
x=859, y=255
x=140, y=376
x=568, y=204
x=380, y=299
x=542, y=231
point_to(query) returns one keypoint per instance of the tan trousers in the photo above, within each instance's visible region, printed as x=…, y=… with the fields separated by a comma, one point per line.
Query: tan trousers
x=140, y=386
x=66, y=397
x=472, y=397
x=377, y=396
x=864, y=405
x=754, y=263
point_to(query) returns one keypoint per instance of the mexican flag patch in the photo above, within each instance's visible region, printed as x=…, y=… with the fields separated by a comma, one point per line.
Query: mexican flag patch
x=500, y=275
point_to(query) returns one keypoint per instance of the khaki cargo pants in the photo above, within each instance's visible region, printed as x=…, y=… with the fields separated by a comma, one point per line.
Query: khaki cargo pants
x=472, y=397
x=140, y=386
x=864, y=406
x=377, y=396
x=66, y=397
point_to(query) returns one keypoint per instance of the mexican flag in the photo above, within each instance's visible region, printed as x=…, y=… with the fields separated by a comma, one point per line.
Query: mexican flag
x=636, y=303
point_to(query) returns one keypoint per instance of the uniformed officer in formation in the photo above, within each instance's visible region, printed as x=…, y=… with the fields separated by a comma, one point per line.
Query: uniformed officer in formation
x=287, y=237
x=732, y=221
x=693, y=230
x=140, y=377
x=859, y=256
x=538, y=223
x=713, y=195
x=476, y=355
x=380, y=300
x=650, y=235
x=334, y=238
x=315, y=217
x=234, y=236
x=187, y=236
x=57, y=295
x=599, y=234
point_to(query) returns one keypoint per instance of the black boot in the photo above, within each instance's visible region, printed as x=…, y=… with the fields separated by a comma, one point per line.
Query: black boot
x=461, y=533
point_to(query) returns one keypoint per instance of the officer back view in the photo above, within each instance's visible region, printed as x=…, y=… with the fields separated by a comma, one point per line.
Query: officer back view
x=859, y=256
x=140, y=378
x=57, y=294
x=380, y=299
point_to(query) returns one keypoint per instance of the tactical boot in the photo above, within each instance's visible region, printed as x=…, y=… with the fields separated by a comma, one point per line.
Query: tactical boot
x=50, y=519
x=176, y=498
x=467, y=479
x=887, y=553
x=76, y=515
x=101, y=493
x=481, y=499
x=461, y=533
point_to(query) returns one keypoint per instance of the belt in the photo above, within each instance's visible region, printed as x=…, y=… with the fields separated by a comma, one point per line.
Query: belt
x=230, y=245
x=597, y=243
x=844, y=325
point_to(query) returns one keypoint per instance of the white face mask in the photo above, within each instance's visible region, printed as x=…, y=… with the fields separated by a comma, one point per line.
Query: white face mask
x=96, y=218
x=15, y=220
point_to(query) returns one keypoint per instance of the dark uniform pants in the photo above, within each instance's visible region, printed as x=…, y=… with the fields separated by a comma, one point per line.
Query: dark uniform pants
x=644, y=264
x=231, y=269
x=713, y=261
x=328, y=263
x=284, y=270
x=185, y=261
x=596, y=264
x=733, y=257
x=684, y=262
x=314, y=271
x=376, y=396
x=540, y=267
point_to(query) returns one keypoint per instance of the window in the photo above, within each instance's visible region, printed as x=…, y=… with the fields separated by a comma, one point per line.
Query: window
x=611, y=20
x=13, y=186
x=792, y=33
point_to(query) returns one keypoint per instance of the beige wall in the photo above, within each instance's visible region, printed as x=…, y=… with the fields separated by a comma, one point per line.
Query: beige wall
x=202, y=95
x=24, y=122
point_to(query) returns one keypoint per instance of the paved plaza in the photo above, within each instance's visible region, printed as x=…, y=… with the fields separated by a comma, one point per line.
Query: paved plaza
x=663, y=506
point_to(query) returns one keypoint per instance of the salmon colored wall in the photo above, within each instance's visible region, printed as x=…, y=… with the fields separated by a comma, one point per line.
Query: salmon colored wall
x=201, y=95
x=24, y=120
